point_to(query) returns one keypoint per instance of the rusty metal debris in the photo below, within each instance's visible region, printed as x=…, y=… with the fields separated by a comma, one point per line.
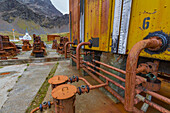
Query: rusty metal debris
x=60, y=47
x=7, y=48
x=26, y=45
x=38, y=47
x=54, y=46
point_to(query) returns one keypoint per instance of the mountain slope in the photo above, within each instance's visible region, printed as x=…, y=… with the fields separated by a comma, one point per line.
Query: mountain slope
x=42, y=6
x=39, y=12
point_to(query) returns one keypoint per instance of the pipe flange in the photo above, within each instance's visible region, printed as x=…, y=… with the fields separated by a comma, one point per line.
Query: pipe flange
x=80, y=91
x=41, y=107
x=71, y=80
x=49, y=104
x=83, y=86
x=164, y=38
x=88, y=88
x=44, y=103
x=77, y=78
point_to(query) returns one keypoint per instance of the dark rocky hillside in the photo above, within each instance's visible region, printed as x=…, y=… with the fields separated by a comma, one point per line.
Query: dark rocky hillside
x=41, y=12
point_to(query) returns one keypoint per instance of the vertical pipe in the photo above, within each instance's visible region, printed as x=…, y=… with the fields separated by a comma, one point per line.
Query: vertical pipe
x=131, y=66
x=78, y=52
x=65, y=48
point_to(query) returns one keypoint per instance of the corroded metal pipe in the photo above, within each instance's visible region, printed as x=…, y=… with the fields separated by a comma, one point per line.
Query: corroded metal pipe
x=114, y=93
x=110, y=80
x=111, y=67
x=160, y=97
x=109, y=73
x=131, y=66
x=65, y=48
x=38, y=108
x=138, y=78
x=152, y=104
x=78, y=52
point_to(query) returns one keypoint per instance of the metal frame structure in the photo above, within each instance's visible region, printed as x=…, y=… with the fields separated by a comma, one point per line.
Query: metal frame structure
x=132, y=82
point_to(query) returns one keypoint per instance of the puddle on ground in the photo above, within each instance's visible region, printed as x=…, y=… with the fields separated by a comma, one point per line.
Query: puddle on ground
x=4, y=74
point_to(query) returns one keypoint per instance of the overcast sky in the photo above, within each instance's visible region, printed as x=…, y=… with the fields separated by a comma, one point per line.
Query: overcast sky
x=61, y=5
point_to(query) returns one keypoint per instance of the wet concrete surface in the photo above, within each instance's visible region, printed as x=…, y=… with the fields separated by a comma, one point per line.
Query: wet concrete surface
x=24, y=57
x=24, y=91
x=8, y=77
x=93, y=102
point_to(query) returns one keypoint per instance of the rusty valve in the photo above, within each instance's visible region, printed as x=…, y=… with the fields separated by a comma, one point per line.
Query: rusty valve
x=83, y=89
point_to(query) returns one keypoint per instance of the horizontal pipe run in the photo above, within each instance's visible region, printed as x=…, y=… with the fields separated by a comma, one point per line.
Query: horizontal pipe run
x=113, y=75
x=152, y=104
x=74, y=59
x=75, y=56
x=140, y=80
x=38, y=108
x=91, y=86
x=111, y=67
x=99, y=86
x=114, y=93
x=160, y=97
x=110, y=80
x=121, y=71
x=85, y=81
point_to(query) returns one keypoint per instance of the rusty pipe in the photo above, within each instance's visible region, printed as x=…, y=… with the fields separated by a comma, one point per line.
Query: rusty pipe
x=75, y=56
x=75, y=60
x=110, y=80
x=109, y=73
x=114, y=93
x=37, y=108
x=78, y=52
x=131, y=66
x=83, y=90
x=85, y=81
x=65, y=48
x=138, y=78
x=100, y=85
x=160, y=97
x=152, y=104
x=111, y=67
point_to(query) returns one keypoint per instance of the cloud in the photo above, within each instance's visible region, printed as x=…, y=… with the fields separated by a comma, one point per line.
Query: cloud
x=61, y=5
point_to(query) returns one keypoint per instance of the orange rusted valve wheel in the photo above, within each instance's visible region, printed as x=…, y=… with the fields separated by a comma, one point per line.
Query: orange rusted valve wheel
x=58, y=80
x=65, y=95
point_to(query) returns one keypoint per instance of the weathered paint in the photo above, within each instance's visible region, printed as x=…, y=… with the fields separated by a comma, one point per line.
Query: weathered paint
x=82, y=11
x=124, y=26
x=148, y=16
x=116, y=25
x=98, y=14
x=75, y=21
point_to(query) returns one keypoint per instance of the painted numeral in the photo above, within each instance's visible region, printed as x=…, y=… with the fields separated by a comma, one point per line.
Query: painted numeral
x=146, y=23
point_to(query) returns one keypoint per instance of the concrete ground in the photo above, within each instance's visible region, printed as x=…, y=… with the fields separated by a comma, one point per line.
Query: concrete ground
x=22, y=89
x=96, y=101
x=93, y=102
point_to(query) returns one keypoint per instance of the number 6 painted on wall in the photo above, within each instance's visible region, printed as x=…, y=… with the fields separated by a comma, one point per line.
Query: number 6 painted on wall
x=146, y=24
